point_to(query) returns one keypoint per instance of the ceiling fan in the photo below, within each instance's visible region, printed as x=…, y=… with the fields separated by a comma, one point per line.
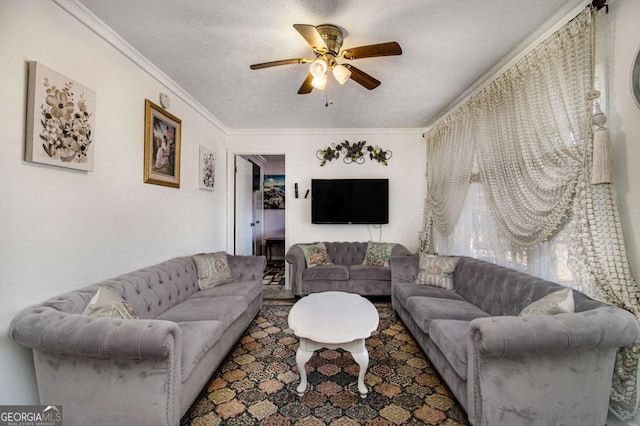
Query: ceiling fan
x=326, y=42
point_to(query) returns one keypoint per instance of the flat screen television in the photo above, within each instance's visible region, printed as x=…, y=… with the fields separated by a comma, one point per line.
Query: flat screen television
x=350, y=201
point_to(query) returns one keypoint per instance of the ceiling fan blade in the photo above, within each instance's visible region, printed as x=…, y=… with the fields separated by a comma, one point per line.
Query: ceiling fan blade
x=281, y=62
x=306, y=85
x=311, y=35
x=383, y=49
x=362, y=78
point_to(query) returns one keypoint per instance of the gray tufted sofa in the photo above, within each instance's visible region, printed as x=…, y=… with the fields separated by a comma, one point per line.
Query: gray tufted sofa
x=510, y=370
x=147, y=371
x=347, y=273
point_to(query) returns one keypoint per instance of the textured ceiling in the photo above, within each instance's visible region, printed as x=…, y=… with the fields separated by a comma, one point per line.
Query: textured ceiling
x=207, y=46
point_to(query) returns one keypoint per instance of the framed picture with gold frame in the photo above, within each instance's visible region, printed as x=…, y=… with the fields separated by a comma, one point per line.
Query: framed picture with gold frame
x=162, y=138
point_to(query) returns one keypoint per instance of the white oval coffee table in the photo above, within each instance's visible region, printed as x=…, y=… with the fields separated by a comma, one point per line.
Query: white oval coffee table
x=333, y=320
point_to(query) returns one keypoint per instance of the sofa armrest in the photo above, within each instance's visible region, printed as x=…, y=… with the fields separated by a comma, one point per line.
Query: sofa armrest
x=400, y=250
x=295, y=257
x=46, y=329
x=404, y=269
x=605, y=327
x=247, y=268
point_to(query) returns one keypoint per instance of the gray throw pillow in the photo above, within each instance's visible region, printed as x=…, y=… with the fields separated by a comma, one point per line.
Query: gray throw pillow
x=436, y=271
x=106, y=303
x=213, y=269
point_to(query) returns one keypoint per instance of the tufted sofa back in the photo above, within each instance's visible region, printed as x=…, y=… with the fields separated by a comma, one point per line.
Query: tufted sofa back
x=352, y=253
x=343, y=253
x=504, y=291
x=150, y=291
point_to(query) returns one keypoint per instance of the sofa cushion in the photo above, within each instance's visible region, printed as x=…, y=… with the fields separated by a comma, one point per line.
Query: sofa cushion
x=403, y=291
x=224, y=308
x=426, y=309
x=558, y=302
x=364, y=272
x=197, y=338
x=436, y=270
x=315, y=254
x=106, y=303
x=326, y=272
x=213, y=269
x=377, y=254
x=450, y=336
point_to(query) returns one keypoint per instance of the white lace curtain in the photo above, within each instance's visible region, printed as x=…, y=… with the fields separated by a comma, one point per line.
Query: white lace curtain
x=526, y=139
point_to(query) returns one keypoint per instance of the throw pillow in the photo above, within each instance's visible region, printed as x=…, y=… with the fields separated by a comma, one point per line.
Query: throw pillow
x=315, y=254
x=106, y=303
x=213, y=269
x=436, y=271
x=377, y=254
x=558, y=302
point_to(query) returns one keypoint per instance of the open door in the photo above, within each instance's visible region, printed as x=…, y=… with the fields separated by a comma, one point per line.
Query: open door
x=243, y=207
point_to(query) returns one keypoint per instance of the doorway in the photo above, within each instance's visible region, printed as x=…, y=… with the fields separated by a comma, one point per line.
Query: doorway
x=259, y=206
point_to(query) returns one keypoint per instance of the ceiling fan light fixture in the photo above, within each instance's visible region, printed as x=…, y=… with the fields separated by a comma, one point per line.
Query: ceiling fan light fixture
x=318, y=67
x=341, y=73
x=319, y=82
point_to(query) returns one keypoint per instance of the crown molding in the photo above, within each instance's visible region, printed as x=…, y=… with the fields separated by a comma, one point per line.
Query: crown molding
x=329, y=131
x=91, y=21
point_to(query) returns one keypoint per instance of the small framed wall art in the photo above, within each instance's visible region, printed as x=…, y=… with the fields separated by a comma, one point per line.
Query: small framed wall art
x=162, y=132
x=60, y=120
x=206, y=169
x=274, y=191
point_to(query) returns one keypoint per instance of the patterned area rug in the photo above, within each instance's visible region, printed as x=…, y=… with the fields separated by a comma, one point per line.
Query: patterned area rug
x=274, y=273
x=256, y=385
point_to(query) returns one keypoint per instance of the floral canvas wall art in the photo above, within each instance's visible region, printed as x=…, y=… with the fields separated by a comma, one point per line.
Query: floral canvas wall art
x=206, y=169
x=60, y=120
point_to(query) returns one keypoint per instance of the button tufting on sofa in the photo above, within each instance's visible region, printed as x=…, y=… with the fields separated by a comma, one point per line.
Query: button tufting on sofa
x=347, y=259
x=507, y=369
x=181, y=331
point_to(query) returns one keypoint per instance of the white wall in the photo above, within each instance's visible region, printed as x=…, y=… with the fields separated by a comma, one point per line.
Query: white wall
x=624, y=124
x=62, y=229
x=624, y=121
x=405, y=173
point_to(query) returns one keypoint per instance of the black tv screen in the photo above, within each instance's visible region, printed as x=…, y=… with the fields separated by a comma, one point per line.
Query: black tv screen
x=352, y=201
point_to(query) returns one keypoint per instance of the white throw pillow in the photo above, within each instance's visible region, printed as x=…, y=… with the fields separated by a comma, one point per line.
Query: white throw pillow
x=213, y=269
x=436, y=271
x=106, y=303
x=558, y=302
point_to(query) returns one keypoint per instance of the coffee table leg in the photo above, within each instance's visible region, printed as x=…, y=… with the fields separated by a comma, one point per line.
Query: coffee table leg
x=362, y=359
x=302, y=357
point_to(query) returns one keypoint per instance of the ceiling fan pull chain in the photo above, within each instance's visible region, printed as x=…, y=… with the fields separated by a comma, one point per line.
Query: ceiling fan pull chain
x=328, y=100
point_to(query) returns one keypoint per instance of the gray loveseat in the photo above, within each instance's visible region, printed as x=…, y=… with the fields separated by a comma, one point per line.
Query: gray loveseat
x=510, y=370
x=347, y=273
x=147, y=371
